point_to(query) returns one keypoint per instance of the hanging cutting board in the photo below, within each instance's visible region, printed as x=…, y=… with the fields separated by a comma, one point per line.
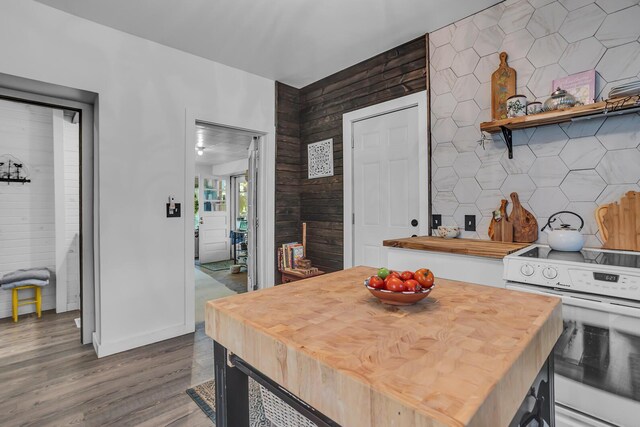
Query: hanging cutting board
x=601, y=212
x=525, y=225
x=494, y=222
x=503, y=85
x=620, y=223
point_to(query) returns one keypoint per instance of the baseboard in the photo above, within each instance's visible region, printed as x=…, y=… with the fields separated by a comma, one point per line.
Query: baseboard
x=109, y=348
x=73, y=306
x=95, y=342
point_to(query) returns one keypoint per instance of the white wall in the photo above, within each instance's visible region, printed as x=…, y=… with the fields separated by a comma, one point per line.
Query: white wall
x=235, y=167
x=27, y=237
x=71, y=216
x=66, y=165
x=71, y=150
x=145, y=92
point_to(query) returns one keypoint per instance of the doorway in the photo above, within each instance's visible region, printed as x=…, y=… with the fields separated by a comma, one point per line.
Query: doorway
x=40, y=170
x=225, y=177
x=80, y=104
x=385, y=177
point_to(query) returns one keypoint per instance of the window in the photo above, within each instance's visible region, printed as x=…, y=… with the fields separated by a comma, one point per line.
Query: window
x=215, y=195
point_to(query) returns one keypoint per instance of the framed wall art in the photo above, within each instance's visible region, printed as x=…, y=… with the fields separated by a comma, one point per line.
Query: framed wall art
x=320, y=159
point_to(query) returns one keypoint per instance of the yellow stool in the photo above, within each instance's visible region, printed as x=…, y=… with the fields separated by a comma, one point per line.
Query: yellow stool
x=37, y=300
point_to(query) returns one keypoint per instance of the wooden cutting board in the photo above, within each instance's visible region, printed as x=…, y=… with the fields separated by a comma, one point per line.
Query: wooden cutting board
x=503, y=85
x=620, y=223
x=500, y=228
x=493, y=224
x=525, y=225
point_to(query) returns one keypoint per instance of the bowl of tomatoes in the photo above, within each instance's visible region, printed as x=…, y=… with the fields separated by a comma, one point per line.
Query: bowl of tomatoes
x=400, y=288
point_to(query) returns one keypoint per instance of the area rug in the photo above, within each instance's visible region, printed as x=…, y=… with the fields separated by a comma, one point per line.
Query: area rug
x=218, y=265
x=204, y=396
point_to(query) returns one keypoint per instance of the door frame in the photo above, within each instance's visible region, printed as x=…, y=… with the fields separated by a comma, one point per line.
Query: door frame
x=266, y=204
x=418, y=100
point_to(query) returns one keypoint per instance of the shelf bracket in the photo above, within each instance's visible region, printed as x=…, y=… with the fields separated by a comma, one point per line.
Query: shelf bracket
x=508, y=139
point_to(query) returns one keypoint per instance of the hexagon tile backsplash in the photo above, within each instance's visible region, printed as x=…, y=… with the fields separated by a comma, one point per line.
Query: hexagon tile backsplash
x=575, y=166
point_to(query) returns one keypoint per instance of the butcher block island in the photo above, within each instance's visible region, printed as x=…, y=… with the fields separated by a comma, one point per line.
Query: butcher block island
x=467, y=355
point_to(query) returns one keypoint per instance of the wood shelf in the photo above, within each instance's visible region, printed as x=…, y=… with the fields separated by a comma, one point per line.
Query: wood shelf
x=598, y=109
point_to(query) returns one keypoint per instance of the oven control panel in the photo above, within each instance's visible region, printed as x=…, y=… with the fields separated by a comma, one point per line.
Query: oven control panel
x=577, y=277
x=623, y=285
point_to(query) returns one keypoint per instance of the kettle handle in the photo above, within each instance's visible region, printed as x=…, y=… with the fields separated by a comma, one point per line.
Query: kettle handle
x=551, y=219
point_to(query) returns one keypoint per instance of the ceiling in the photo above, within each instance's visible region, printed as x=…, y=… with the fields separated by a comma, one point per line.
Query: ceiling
x=221, y=145
x=296, y=42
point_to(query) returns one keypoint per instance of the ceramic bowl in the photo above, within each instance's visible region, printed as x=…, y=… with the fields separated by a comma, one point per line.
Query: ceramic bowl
x=534, y=108
x=398, y=298
x=448, y=231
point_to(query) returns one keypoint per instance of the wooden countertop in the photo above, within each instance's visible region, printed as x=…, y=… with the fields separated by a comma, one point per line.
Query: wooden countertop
x=483, y=248
x=466, y=355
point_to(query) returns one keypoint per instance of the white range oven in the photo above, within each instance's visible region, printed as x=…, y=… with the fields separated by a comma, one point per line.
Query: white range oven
x=597, y=358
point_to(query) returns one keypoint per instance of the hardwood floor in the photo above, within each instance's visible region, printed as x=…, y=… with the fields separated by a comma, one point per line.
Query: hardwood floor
x=47, y=378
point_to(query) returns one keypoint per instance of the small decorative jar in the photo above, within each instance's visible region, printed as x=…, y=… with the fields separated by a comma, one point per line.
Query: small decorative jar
x=449, y=231
x=516, y=106
x=560, y=100
x=534, y=108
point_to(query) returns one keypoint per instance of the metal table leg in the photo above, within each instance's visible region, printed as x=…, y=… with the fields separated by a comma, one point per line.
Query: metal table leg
x=232, y=391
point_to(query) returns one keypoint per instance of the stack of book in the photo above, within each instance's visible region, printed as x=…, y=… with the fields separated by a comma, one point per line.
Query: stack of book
x=291, y=260
x=291, y=253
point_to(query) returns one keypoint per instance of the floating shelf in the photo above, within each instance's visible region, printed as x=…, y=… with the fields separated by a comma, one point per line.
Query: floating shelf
x=582, y=112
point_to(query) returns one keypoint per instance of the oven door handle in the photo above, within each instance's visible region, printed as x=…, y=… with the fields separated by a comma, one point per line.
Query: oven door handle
x=575, y=301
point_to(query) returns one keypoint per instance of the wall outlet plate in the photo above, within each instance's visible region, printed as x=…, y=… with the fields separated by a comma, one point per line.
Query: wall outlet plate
x=469, y=223
x=436, y=221
x=175, y=213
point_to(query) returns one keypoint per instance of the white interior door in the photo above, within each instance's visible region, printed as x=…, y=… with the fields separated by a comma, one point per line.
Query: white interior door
x=385, y=183
x=214, y=220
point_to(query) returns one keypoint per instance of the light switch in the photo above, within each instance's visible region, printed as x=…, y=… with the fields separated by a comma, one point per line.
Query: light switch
x=173, y=212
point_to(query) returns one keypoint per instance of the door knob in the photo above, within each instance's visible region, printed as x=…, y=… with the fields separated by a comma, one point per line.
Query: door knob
x=414, y=222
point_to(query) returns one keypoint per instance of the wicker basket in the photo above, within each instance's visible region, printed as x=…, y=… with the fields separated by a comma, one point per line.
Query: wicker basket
x=280, y=414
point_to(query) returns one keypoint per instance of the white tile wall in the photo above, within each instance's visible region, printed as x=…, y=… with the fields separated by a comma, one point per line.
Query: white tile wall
x=574, y=166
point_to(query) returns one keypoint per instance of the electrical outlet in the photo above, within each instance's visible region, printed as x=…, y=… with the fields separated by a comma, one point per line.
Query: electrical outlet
x=436, y=221
x=469, y=223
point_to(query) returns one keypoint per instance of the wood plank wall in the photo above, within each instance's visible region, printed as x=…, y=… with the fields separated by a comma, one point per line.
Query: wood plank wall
x=314, y=113
x=287, y=203
x=389, y=75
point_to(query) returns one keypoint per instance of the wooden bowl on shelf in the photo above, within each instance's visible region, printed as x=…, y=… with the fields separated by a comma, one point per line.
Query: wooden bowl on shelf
x=398, y=298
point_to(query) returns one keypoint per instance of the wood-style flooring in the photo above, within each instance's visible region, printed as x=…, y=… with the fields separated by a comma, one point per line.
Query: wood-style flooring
x=47, y=378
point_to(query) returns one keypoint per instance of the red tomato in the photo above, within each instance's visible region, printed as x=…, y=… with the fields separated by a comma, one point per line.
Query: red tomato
x=376, y=282
x=406, y=275
x=391, y=275
x=424, y=277
x=396, y=284
x=413, y=285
